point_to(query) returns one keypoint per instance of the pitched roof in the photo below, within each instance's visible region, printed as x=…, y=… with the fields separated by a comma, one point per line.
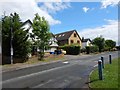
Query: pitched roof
x=65, y=35
x=28, y=21
x=85, y=40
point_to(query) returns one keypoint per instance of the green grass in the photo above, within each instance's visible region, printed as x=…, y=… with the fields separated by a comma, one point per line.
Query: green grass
x=110, y=74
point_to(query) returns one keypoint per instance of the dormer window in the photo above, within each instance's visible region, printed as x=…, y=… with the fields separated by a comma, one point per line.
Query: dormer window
x=63, y=35
x=59, y=35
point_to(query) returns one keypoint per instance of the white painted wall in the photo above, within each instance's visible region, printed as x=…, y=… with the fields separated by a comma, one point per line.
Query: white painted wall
x=53, y=46
x=84, y=44
x=28, y=25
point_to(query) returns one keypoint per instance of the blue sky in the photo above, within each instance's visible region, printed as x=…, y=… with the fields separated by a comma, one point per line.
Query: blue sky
x=75, y=18
x=90, y=19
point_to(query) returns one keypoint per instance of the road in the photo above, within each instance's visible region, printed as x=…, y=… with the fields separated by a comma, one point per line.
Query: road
x=72, y=73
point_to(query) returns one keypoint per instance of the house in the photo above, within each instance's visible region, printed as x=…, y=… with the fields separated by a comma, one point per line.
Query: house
x=69, y=37
x=53, y=44
x=86, y=42
x=27, y=25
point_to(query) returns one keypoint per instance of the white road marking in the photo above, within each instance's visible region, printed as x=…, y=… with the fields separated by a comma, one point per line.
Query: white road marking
x=95, y=61
x=42, y=84
x=33, y=74
x=95, y=65
x=66, y=62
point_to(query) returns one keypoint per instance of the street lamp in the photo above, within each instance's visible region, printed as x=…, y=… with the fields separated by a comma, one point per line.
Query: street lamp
x=11, y=49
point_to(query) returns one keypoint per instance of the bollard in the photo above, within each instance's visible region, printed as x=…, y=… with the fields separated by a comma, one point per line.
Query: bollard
x=102, y=61
x=100, y=69
x=110, y=59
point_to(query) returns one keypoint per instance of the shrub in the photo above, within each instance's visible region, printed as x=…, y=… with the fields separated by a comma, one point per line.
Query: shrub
x=83, y=50
x=92, y=49
x=71, y=49
x=118, y=47
x=87, y=49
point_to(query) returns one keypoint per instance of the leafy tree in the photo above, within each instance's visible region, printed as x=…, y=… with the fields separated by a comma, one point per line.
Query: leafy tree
x=21, y=45
x=41, y=34
x=110, y=44
x=100, y=42
x=6, y=39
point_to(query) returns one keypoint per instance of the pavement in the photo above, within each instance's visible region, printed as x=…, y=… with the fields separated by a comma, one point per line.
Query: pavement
x=71, y=73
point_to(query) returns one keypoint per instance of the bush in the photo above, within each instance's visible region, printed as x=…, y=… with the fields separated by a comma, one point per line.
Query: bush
x=83, y=50
x=71, y=49
x=94, y=49
x=87, y=49
x=91, y=49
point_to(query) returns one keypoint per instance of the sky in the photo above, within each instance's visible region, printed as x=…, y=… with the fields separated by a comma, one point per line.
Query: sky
x=90, y=19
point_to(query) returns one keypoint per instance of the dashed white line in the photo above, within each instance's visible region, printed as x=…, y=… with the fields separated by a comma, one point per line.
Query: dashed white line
x=95, y=65
x=42, y=84
x=66, y=62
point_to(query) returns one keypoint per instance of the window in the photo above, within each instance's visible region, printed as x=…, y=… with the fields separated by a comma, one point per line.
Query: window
x=72, y=41
x=63, y=35
x=74, y=34
x=78, y=41
x=59, y=35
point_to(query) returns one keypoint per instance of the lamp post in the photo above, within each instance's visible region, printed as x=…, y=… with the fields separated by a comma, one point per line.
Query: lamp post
x=11, y=49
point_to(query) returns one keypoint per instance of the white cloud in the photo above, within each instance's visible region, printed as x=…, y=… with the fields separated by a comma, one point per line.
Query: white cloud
x=109, y=31
x=85, y=9
x=106, y=3
x=27, y=8
x=53, y=7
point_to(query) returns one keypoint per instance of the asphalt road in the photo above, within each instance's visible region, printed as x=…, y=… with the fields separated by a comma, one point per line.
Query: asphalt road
x=72, y=73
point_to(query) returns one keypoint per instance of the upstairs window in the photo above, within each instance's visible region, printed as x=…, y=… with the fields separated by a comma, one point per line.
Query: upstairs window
x=75, y=35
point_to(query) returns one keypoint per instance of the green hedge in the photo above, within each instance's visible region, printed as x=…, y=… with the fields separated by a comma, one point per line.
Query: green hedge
x=71, y=49
x=91, y=49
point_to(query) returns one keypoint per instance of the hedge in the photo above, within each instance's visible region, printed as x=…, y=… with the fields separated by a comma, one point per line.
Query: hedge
x=71, y=49
x=91, y=49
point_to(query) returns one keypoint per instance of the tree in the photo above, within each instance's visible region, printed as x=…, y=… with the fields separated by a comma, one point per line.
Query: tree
x=6, y=39
x=20, y=43
x=41, y=34
x=110, y=44
x=100, y=42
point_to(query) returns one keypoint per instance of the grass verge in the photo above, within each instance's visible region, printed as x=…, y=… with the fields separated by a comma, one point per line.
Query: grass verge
x=110, y=74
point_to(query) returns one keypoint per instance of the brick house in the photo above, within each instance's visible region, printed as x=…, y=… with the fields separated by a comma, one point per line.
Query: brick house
x=69, y=37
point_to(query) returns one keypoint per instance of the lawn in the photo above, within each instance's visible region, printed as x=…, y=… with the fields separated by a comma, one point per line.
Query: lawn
x=110, y=74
